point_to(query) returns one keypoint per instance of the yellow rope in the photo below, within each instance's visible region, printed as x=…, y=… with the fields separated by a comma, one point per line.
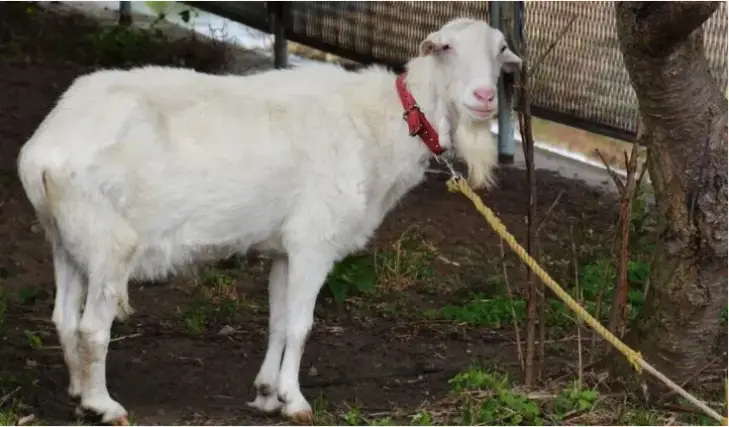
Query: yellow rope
x=457, y=184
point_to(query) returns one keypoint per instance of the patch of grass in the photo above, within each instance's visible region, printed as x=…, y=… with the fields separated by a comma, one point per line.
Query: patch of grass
x=354, y=274
x=573, y=400
x=8, y=417
x=34, y=339
x=10, y=406
x=642, y=417
x=406, y=262
x=500, y=406
x=484, y=311
x=215, y=301
x=593, y=277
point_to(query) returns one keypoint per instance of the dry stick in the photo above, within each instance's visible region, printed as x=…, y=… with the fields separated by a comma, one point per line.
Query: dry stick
x=616, y=179
x=620, y=298
x=578, y=295
x=549, y=211
x=542, y=295
x=528, y=145
x=8, y=396
x=519, y=352
x=525, y=128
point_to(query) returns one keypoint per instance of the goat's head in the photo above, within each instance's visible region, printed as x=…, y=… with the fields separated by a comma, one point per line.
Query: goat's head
x=468, y=56
x=465, y=59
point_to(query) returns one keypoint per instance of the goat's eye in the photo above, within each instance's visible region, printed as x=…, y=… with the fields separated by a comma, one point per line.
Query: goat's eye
x=446, y=47
x=503, y=49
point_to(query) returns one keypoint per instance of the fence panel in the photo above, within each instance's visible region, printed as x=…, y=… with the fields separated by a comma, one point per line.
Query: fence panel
x=582, y=83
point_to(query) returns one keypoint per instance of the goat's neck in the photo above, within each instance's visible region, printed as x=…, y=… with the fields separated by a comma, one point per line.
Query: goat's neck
x=471, y=139
x=425, y=83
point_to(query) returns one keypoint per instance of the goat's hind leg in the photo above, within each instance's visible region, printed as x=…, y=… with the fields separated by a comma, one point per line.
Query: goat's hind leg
x=266, y=382
x=70, y=284
x=106, y=296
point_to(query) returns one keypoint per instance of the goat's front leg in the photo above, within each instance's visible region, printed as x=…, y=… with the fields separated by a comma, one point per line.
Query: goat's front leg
x=307, y=272
x=266, y=382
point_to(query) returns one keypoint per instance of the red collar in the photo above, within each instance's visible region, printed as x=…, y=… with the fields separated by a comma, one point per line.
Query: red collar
x=418, y=124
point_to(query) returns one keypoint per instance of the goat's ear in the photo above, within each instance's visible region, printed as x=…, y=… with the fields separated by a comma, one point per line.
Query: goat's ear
x=432, y=45
x=510, y=62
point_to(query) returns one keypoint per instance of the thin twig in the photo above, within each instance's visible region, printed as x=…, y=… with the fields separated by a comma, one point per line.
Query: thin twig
x=549, y=211
x=620, y=298
x=616, y=179
x=550, y=48
x=527, y=138
x=578, y=295
x=8, y=396
x=519, y=352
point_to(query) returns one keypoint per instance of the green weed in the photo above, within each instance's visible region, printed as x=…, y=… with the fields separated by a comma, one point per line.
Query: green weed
x=502, y=406
x=34, y=340
x=215, y=301
x=574, y=399
x=484, y=311
x=352, y=275
x=403, y=264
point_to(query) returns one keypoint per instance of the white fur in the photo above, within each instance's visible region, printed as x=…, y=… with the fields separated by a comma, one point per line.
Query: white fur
x=138, y=174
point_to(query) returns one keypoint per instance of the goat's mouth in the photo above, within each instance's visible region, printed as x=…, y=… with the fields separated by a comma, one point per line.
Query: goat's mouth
x=481, y=112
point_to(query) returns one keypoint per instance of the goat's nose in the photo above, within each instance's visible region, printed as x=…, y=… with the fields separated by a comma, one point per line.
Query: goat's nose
x=484, y=94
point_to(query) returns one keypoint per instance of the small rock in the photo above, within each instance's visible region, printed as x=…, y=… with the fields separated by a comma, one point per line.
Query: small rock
x=313, y=371
x=35, y=228
x=226, y=330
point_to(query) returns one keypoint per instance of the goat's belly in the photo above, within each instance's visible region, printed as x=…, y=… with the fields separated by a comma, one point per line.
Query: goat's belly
x=167, y=257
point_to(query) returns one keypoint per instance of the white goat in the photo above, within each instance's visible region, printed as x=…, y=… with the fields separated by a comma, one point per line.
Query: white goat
x=137, y=174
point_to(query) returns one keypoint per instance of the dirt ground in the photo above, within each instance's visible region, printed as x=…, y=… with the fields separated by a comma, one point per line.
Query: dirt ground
x=361, y=353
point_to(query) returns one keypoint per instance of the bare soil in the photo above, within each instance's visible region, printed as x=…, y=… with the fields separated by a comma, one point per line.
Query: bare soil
x=358, y=354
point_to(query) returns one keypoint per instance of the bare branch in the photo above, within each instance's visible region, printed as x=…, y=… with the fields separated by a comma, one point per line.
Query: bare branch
x=578, y=295
x=616, y=179
x=519, y=352
x=549, y=211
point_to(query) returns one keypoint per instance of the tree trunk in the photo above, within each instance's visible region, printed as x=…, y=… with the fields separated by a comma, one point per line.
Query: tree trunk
x=684, y=115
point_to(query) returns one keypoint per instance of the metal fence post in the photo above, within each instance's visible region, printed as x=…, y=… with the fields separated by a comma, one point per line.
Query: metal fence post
x=507, y=145
x=276, y=16
x=125, y=12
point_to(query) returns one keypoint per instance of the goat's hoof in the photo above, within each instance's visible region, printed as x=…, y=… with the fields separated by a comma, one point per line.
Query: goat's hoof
x=109, y=410
x=266, y=404
x=120, y=421
x=302, y=417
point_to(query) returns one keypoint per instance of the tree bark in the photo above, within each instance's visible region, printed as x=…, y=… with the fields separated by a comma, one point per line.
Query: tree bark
x=684, y=115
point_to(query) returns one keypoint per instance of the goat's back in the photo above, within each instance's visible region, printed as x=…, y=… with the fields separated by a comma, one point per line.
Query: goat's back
x=194, y=162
